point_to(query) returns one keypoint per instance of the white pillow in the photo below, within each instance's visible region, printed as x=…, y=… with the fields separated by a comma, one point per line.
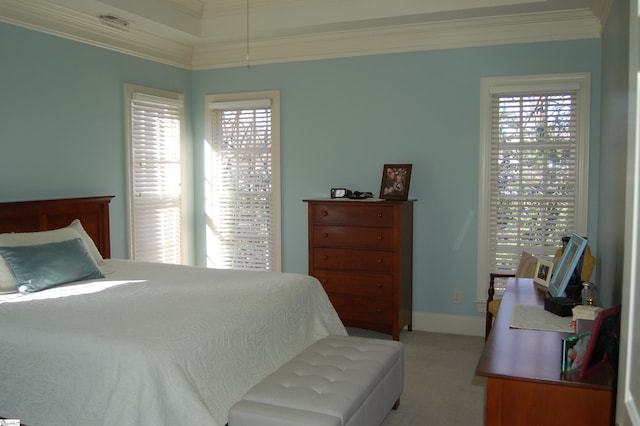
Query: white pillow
x=88, y=241
x=7, y=281
x=16, y=239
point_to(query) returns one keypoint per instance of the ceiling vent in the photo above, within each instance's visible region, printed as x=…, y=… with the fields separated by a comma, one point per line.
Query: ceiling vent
x=114, y=22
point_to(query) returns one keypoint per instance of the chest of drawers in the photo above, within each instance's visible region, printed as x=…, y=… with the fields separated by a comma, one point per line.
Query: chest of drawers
x=361, y=252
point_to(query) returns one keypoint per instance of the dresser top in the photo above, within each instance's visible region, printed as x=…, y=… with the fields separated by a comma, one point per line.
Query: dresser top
x=358, y=201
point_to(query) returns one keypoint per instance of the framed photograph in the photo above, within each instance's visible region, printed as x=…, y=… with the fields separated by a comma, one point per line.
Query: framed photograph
x=395, y=181
x=566, y=265
x=574, y=350
x=544, y=269
x=605, y=341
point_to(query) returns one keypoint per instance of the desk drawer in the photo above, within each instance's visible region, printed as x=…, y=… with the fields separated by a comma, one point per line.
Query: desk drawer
x=353, y=237
x=361, y=214
x=357, y=284
x=352, y=260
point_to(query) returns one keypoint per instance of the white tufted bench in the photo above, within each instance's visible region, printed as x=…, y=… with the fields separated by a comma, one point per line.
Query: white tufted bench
x=337, y=381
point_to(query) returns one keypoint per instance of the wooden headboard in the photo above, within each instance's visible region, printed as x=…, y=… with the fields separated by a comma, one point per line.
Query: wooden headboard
x=45, y=215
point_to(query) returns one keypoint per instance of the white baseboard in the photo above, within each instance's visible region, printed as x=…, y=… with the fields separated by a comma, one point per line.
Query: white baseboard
x=450, y=324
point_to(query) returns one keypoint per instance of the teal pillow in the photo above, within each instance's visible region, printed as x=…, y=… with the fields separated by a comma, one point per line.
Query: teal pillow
x=43, y=266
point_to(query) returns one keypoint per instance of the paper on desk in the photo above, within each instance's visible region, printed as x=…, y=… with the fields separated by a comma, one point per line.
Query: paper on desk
x=536, y=318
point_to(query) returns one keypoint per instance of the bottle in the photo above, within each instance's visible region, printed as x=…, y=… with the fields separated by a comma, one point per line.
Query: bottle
x=589, y=294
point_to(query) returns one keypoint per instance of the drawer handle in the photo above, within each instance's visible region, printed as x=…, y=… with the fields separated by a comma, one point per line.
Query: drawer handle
x=379, y=260
x=379, y=285
x=324, y=213
x=380, y=214
x=326, y=280
x=325, y=257
x=325, y=234
x=379, y=310
x=380, y=237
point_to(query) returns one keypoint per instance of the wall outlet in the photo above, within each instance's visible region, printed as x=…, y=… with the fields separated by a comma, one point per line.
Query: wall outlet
x=457, y=297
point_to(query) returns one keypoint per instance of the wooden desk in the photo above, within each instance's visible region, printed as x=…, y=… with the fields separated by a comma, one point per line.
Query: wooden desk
x=524, y=383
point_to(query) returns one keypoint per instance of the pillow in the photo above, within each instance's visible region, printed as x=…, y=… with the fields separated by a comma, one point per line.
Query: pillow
x=15, y=239
x=88, y=241
x=7, y=282
x=43, y=266
x=70, y=232
x=527, y=265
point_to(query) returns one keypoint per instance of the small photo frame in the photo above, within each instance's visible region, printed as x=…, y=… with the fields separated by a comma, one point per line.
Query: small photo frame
x=544, y=269
x=605, y=341
x=395, y=181
x=574, y=350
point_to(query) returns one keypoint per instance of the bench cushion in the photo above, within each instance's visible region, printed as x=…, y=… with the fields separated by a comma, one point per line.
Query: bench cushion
x=339, y=380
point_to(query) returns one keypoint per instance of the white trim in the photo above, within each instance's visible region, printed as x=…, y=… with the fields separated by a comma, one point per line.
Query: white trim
x=491, y=85
x=133, y=91
x=249, y=103
x=198, y=54
x=401, y=38
x=628, y=391
x=52, y=19
x=257, y=100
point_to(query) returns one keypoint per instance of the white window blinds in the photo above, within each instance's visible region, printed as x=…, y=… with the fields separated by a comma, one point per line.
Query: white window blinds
x=533, y=174
x=155, y=150
x=243, y=205
x=534, y=168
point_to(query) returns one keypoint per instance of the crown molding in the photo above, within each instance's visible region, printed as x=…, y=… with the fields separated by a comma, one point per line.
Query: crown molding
x=52, y=19
x=601, y=10
x=190, y=7
x=44, y=16
x=543, y=27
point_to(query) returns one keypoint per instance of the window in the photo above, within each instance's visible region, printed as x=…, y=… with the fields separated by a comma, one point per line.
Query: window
x=155, y=135
x=242, y=157
x=533, y=168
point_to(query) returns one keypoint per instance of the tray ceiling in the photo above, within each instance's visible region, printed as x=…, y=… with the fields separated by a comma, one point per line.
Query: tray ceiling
x=200, y=34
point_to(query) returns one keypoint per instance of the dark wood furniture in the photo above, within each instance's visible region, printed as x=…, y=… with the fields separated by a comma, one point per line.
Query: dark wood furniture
x=488, y=321
x=362, y=253
x=44, y=215
x=524, y=383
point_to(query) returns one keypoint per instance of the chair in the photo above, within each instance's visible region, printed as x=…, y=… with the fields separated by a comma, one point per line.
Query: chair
x=526, y=269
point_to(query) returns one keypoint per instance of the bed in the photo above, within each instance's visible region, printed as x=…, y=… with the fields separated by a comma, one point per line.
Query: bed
x=148, y=344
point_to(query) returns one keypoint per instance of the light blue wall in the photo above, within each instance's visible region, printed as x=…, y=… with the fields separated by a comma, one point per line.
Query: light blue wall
x=613, y=156
x=62, y=135
x=62, y=119
x=343, y=119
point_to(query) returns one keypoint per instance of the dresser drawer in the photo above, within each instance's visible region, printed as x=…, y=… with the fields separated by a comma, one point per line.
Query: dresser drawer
x=360, y=214
x=353, y=260
x=358, y=284
x=361, y=252
x=353, y=237
x=356, y=310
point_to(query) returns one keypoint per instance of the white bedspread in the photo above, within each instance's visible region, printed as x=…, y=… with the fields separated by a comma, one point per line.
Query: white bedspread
x=153, y=344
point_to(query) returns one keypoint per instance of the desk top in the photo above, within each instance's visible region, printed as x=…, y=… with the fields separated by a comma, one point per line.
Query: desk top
x=530, y=355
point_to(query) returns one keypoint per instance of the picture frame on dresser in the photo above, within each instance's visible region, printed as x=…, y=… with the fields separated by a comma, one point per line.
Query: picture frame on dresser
x=544, y=270
x=568, y=262
x=395, y=182
x=605, y=341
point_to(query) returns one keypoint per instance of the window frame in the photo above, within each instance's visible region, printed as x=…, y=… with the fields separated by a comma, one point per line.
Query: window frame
x=518, y=85
x=276, y=195
x=129, y=91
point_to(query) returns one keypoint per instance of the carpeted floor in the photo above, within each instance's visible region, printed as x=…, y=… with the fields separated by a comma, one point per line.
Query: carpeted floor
x=440, y=387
